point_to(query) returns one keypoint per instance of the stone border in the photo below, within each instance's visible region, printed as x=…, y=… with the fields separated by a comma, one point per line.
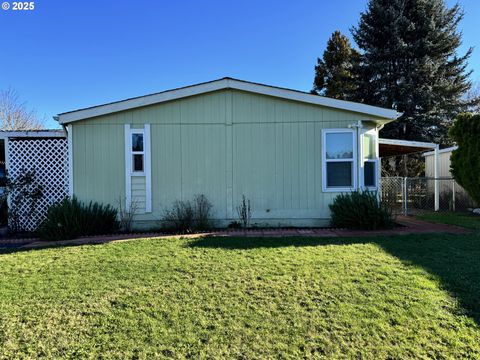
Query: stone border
x=409, y=226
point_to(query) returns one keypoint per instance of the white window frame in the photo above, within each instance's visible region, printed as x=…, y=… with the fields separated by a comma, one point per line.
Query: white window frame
x=147, y=171
x=365, y=160
x=325, y=161
x=132, y=153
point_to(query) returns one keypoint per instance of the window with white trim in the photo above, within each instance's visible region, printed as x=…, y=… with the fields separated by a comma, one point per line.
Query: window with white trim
x=339, y=160
x=138, y=164
x=137, y=152
x=370, y=160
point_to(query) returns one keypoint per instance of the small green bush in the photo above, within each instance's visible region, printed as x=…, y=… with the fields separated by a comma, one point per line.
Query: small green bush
x=71, y=218
x=361, y=211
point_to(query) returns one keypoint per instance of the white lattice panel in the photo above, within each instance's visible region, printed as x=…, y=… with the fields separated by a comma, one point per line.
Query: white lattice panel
x=49, y=159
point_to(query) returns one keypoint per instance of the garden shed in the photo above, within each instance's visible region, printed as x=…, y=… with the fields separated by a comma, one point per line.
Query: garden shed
x=289, y=152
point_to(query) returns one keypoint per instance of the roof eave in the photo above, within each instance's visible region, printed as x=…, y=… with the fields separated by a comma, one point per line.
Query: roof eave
x=382, y=115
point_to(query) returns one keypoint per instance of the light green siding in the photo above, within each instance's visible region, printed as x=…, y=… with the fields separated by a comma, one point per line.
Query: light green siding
x=222, y=144
x=98, y=162
x=138, y=186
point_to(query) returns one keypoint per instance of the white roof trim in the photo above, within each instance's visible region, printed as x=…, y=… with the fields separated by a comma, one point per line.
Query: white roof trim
x=33, y=134
x=407, y=143
x=227, y=83
x=441, y=151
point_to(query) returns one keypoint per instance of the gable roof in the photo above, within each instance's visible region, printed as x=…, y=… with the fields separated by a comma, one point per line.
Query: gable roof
x=220, y=84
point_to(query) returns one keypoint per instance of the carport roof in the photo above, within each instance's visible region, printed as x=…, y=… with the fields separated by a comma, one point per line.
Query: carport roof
x=392, y=147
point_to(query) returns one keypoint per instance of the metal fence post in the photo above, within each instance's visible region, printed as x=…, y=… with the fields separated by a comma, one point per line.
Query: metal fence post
x=436, y=170
x=405, y=197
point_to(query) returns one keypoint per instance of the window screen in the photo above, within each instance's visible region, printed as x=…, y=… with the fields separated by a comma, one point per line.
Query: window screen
x=339, y=174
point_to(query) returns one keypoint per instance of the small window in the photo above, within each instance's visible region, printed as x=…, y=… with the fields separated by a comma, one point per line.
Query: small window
x=339, y=160
x=138, y=162
x=137, y=142
x=369, y=146
x=138, y=155
x=370, y=159
x=370, y=173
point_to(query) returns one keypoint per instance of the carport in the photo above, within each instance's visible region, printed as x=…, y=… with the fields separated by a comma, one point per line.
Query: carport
x=393, y=147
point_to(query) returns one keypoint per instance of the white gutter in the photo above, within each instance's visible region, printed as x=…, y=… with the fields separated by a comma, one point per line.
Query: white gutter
x=443, y=151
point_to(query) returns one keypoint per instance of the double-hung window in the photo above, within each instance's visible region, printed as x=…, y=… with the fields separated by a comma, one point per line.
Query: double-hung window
x=137, y=152
x=339, y=160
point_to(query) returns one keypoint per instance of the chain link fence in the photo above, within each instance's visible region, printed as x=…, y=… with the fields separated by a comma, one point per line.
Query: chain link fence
x=414, y=195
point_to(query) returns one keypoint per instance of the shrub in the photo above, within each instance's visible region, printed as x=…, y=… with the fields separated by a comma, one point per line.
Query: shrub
x=185, y=217
x=25, y=192
x=202, y=208
x=465, y=161
x=71, y=218
x=360, y=210
x=180, y=216
x=244, y=212
x=126, y=215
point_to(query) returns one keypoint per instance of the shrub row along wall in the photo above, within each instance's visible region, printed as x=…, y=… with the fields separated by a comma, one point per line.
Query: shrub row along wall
x=49, y=159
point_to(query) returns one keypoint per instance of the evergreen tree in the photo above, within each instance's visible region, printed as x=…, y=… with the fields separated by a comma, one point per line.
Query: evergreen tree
x=334, y=72
x=465, y=161
x=410, y=63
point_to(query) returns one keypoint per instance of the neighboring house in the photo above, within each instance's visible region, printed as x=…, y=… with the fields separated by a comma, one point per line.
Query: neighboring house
x=448, y=188
x=443, y=163
x=289, y=152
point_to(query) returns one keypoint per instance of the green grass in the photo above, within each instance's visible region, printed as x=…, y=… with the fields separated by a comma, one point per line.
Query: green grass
x=398, y=297
x=465, y=220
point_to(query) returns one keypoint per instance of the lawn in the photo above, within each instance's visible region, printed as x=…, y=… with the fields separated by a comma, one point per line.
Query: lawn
x=398, y=297
x=466, y=220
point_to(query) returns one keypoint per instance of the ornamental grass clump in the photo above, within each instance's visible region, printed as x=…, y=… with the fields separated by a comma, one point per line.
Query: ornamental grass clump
x=360, y=211
x=71, y=218
x=186, y=216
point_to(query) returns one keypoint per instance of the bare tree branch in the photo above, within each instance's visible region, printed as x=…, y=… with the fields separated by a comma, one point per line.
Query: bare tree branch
x=14, y=114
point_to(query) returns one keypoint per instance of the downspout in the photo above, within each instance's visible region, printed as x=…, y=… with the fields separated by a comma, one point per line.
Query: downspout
x=359, y=155
x=379, y=162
